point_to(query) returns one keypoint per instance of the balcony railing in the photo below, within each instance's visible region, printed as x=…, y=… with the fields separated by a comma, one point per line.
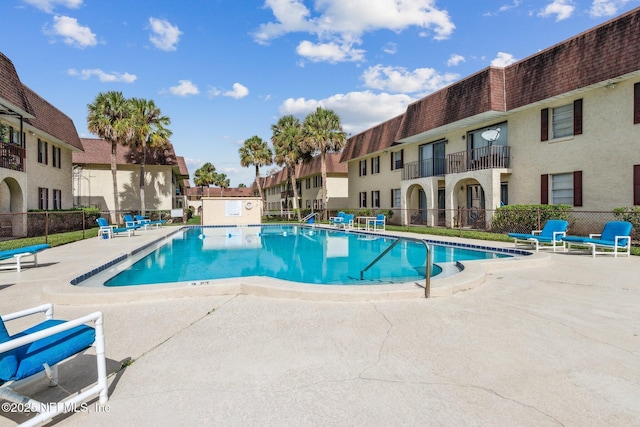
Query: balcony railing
x=11, y=156
x=424, y=168
x=496, y=156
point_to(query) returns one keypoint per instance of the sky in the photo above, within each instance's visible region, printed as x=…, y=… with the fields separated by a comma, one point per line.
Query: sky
x=226, y=70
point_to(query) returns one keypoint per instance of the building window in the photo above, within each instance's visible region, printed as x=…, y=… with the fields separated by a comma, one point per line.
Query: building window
x=43, y=152
x=375, y=199
x=57, y=199
x=504, y=193
x=562, y=189
x=375, y=165
x=566, y=120
x=43, y=198
x=636, y=184
x=363, y=199
x=562, y=121
x=395, y=198
x=317, y=181
x=56, y=162
x=363, y=167
x=308, y=184
x=397, y=160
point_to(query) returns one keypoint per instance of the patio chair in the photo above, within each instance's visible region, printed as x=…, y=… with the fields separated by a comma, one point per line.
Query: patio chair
x=34, y=353
x=146, y=222
x=338, y=219
x=18, y=254
x=107, y=231
x=615, y=236
x=347, y=222
x=129, y=222
x=378, y=223
x=551, y=234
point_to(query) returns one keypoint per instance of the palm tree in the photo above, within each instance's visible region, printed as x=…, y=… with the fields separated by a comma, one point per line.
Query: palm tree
x=205, y=175
x=221, y=181
x=149, y=131
x=109, y=117
x=322, y=134
x=286, y=140
x=256, y=152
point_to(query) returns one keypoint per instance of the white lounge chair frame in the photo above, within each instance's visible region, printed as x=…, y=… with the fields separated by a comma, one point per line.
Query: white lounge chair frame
x=593, y=247
x=46, y=411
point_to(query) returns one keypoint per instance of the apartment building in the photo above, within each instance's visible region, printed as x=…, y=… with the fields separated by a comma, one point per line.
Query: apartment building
x=559, y=127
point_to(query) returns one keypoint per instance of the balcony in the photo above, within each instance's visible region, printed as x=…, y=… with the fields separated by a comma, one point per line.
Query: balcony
x=496, y=156
x=12, y=157
x=424, y=169
x=492, y=157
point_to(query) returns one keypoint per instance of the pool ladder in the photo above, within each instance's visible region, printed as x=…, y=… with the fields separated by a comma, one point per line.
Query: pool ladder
x=427, y=279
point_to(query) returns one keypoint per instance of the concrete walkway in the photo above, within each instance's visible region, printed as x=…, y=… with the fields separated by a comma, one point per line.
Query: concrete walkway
x=535, y=344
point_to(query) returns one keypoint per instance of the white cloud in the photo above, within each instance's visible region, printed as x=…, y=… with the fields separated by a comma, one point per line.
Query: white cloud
x=390, y=48
x=164, y=36
x=239, y=91
x=329, y=52
x=503, y=59
x=401, y=80
x=344, y=22
x=455, y=60
x=357, y=110
x=184, y=88
x=562, y=9
x=71, y=32
x=601, y=8
x=48, y=5
x=86, y=74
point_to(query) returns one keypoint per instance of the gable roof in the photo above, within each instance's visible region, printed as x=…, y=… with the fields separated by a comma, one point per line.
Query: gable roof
x=18, y=100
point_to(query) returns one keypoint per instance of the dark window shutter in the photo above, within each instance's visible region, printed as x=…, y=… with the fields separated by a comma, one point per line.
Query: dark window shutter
x=392, y=201
x=636, y=103
x=392, y=165
x=636, y=184
x=544, y=189
x=577, y=188
x=544, y=124
x=402, y=158
x=577, y=117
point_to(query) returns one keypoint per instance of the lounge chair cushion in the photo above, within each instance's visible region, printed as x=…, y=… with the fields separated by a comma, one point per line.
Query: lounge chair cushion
x=608, y=236
x=9, y=253
x=8, y=360
x=51, y=350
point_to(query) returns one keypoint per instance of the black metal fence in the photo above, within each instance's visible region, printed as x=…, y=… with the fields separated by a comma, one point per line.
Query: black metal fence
x=43, y=223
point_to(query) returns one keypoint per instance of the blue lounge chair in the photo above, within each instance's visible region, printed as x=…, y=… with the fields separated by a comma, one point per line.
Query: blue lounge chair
x=35, y=352
x=18, y=254
x=338, y=219
x=107, y=231
x=378, y=223
x=551, y=234
x=347, y=222
x=615, y=235
x=129, y=222
x=146, y=222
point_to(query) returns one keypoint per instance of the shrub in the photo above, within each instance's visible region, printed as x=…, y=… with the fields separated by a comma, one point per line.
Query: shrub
x=525, y=218
x=631, y=215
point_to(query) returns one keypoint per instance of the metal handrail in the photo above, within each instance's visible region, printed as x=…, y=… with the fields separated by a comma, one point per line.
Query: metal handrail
x=427, y=284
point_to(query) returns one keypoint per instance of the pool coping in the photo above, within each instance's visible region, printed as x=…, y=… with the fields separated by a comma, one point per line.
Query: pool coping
x=472, y=275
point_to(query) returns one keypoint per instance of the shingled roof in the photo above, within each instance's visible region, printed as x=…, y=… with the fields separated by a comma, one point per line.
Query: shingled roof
x=98, y=152
x=600, y=55
x=18, y=100
x=334, y=167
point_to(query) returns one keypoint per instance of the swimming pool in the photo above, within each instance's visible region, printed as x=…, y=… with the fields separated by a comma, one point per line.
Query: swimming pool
x=292, y=253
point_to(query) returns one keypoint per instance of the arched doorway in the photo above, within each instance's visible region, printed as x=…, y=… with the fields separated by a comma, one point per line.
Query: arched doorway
x=12, y=207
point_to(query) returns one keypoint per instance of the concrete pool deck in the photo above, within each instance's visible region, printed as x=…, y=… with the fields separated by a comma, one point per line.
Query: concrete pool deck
x=551, y=341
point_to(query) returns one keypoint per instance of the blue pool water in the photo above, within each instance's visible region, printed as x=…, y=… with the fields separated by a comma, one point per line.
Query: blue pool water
x=295, y=253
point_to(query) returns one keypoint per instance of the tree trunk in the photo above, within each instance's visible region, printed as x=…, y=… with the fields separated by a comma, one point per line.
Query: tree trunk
x=142, y=180
x=323, y=171
x=264, y=207
x=114, y=174
x=294, y=180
